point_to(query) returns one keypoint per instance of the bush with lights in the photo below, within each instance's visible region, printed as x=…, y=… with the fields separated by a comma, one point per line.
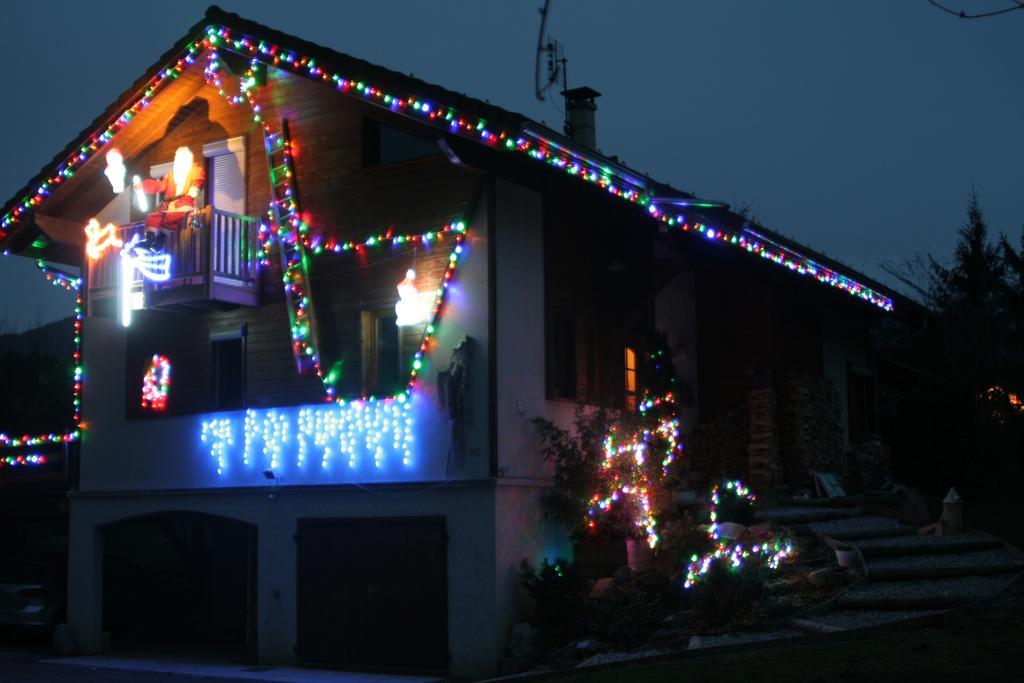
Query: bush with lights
x=610, y=473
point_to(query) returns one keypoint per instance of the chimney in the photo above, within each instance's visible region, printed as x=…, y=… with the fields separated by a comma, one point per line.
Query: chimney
x=579, y=116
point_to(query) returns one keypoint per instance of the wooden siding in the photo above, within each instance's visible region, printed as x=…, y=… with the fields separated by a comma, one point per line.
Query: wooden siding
x=339, y=197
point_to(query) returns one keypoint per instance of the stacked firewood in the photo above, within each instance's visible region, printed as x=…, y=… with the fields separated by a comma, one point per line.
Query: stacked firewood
x=811, y=435
x=764, y=468
x=718, y=447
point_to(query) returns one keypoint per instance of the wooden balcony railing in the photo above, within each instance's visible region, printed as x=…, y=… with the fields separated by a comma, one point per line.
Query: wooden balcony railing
x=212, y=260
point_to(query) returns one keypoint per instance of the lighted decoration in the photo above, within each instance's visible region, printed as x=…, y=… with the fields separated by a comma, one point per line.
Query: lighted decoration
x=345, y=433
x=635, y=461
x=99, y=239
x=156, y=383
x=529, y=143
x=22, y=460
x=408, y=310
x=152, y=266
x=73, y=285
x=771, y=552
x=115, y=170
x=141, y=200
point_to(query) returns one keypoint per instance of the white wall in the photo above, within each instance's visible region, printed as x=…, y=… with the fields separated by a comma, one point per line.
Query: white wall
x=468, y=509
x=168, y=453
x=521, y=531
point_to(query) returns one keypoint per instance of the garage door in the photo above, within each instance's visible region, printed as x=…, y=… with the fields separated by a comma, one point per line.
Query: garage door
x=373, y=593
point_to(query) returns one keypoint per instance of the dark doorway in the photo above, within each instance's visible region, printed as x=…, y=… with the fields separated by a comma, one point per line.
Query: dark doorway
x=181, y=581
x=373, y=593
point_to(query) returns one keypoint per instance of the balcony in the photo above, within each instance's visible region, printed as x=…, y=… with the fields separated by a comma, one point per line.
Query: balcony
x=213, y=265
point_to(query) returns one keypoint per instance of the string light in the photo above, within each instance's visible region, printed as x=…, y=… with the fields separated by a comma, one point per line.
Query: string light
x=156, y=383
x=354, y=431
x=98, y=239
x=770, y=553
x=22, y=460
x=626, y=477
x=219, y=434
x=527, y=142
x=73, y=285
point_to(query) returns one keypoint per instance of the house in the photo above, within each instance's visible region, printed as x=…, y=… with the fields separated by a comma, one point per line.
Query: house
x=305, y=429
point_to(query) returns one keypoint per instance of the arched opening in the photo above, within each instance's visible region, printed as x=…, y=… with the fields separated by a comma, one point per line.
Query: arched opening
x=181, y=582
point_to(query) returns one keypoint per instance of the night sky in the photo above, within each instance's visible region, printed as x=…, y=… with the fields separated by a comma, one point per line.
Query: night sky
x=857, y=128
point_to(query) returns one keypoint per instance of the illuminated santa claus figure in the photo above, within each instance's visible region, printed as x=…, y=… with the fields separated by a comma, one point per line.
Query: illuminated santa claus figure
x=408, y=310
x=180, y=189
x=115, y=170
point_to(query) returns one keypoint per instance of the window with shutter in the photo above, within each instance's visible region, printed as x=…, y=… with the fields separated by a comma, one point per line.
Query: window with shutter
x=227, y=175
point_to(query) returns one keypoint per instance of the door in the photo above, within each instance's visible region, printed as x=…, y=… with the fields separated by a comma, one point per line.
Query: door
x=373, y=593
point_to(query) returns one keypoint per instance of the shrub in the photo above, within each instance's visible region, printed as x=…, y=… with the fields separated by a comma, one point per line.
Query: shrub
x=726, y=594
x=557, y=591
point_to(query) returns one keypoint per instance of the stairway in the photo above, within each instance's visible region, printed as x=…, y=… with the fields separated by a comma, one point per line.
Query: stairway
x=909, y=575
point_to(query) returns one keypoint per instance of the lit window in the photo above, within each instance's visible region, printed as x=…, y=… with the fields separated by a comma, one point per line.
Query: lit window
x=630, y=378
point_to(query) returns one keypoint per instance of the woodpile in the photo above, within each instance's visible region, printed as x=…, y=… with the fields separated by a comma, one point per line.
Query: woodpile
x=810, y=430
x=764, y=468
x=718, y=447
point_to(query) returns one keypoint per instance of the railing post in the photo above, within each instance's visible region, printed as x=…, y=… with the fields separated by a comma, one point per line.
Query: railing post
x=208, y=242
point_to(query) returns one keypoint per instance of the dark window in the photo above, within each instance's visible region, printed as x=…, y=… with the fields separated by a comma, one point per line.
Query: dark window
x=562, y=357
x=383, y=144
x=228, y=372
x=382, y=353
x=860, y=404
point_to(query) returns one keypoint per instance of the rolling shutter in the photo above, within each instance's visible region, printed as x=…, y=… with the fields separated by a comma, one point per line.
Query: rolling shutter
x=226, y=190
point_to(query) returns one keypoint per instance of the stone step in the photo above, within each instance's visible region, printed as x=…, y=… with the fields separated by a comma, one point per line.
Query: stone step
x=945, y=565
x=930, y=594
x=795, y=514
x=918, y=544
x=861, y=527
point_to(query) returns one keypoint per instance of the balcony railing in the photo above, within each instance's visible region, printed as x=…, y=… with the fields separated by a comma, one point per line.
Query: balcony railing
x=213, y=261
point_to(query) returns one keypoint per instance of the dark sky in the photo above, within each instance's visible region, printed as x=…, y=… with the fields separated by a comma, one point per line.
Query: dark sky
x=855, y=127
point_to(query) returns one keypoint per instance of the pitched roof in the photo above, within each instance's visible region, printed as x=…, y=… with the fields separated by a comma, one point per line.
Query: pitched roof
x=457, y=114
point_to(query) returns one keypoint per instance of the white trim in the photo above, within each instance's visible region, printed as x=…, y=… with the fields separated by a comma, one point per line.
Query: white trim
x=235, y=145
x=160, y=170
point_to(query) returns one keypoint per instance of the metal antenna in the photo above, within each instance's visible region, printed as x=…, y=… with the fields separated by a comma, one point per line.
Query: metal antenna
x=555, y=56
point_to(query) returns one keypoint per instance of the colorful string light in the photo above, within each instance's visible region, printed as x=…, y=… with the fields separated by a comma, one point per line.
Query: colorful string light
x=534, y=145
x=771, y=553
x=74, y=285
x=626, y=477
x=156, y=383
x=22, y=460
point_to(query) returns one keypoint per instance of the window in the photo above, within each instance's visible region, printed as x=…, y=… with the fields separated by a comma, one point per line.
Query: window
x=228, y=364
x=383, y=144
x=630, y=378
x=226, y=174
x=382, y=352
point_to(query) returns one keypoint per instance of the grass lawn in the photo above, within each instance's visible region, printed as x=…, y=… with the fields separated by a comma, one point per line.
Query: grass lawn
x=986, y=646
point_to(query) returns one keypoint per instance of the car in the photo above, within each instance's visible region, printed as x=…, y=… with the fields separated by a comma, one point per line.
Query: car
x=33, y=590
